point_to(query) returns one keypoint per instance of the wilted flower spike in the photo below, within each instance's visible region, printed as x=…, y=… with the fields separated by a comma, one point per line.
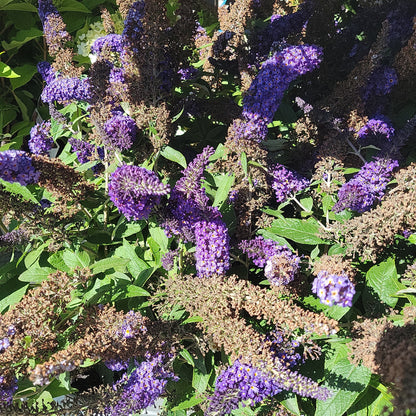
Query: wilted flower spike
x=16, y=166
x=135, y=191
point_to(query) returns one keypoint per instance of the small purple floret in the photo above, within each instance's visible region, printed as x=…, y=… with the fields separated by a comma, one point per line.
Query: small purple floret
x=333, y=289
x=287, y=183
x=16, y=166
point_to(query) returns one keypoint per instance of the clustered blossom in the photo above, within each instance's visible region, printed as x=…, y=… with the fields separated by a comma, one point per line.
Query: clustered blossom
x=333, y=289
x=121, y=131
x=212, y=248
x=40, y=141
x=135, y=191
x=7, y=389
x=188, y=73
x=279, y=263
x=16, y=166
x=132, y=325
x=381, y=82
x=366, y=187
x=142, y=387
x=46, y=71
x=239, y=383
x=63, y=90
x=133, y=26
x=375, y=127
x=111, y=42
x=287, y=183
x=85, y=151
x=283, y=349
x=116, y=365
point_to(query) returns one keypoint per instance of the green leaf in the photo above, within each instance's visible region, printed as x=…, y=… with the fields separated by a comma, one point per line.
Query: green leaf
x=136, y=264
x=21, y=7
x=17, y=189
x=36, y=274
x=188, y=357
x=224, y=184
x=200, y=380
x=136, y=291
x=159, y=236
x=26, y=73
x=22, y=37
x=345, y=380
x=243, y=158
x=174, y=155
x=56, y=260
x=73, y=6
x=187, y=404
x=300, y=231
x=7, y=72
x=76, y=259
x=114, y=262
x=271, y=236
x=13, y=298
x=384, y=280
x=192, y=319
x=34, y=255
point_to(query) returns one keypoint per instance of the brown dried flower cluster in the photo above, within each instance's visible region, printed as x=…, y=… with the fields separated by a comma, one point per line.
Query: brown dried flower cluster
x=373, y=231
x=31, y=324
x=335, y=264
x=389, y=351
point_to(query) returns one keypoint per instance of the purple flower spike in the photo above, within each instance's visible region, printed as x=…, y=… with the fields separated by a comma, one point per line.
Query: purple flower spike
x=121, y=131
x=287, y=183
x=142, y=387
x=212, y=248
x=40, y=139
x=112, y=42
x=135, y=191
x=16, y=166
x=239, y=383
x=366, y=187
x=333, y=289
x=63, y=90
x=116, y=365
x=46, y=71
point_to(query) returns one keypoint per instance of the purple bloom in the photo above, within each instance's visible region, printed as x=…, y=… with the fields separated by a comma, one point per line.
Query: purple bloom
x=86, y=151
x=117, y=75
x=132, y=325
x=111, y=42
x=212, y=248
x=380, y=83
x=16, y=166
x=286, y=183
x=266, y=91
x=238, y=383
x=4, y=344
x=366, y=187
x=7, y=389
x=135, y=191
x=377, y=131
x=116, y=365
x=63, y=90
x=133, y=26
x=46, y=71
x=142, y=387
x=121, y=131
x=279, y=263
x=46, y=8
x=40, y=141
x=284, y=349
x=188, y=73
x=333, y=289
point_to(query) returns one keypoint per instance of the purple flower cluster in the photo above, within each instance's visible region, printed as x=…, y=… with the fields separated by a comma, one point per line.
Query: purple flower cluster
x=16, y=166
x=121, y=131
x=380, y=83
x=111, y=42
x=188, y=73
x=46, y=71
x=333, y=289
x=266, y=91
x=63, y=90
x=116, y=365
x=142, y=387
x=377, y=131
x=7, y=389
x=286, y=183
x=86, y=151
x=279, y=263
x=239, y=383
x=212, y=248
x=133, y=26
x=366, y=187
x=168, y=259
x=135, y=191
x=40, y=141
x=283, y=349
x=132, y=325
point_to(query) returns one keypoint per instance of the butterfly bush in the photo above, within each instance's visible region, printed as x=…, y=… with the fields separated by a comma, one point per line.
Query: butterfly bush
x=333, y=289
x=135, y=191
x=287, y=183
x=40, y=141
x=16, y=166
